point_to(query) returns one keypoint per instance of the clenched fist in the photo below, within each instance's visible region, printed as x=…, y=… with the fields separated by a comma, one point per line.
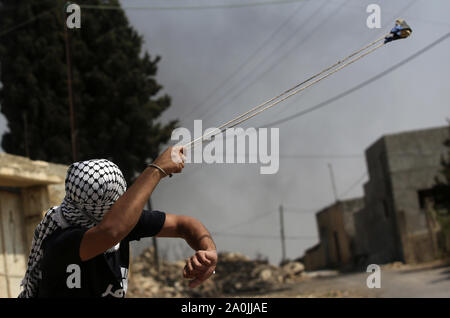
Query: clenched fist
x=171, y=160
x=200, y=266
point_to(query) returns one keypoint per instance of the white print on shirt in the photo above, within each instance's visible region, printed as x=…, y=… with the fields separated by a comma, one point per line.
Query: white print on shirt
x=124, y=284
x=119, y=293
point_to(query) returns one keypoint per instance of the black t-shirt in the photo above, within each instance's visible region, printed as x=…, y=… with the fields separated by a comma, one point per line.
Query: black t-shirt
x=65, y=275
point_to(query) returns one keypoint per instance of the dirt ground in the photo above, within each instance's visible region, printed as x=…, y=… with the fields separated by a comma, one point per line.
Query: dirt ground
x=239, y=276
x=397, y=280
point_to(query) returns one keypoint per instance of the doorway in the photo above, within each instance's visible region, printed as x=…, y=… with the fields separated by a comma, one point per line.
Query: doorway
x=12, y=239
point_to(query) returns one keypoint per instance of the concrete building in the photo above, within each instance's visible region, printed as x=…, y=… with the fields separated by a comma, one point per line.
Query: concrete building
x=336, y=248
x=394, y=224
x=392, y=221
x=27, y=189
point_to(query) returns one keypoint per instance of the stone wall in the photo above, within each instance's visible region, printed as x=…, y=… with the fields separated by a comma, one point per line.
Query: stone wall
x=414, y=163
x=39, y=184
x=392, y=226
x=337, y=232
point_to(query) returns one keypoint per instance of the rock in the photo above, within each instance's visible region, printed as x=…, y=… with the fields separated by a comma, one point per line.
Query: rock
x=138, y=267
x=146, y=284
x=265, y=274
x=394, y=265
x=280, y=279
x=235, y=273
x=234, y=257
x=178, y=286
x=180, y=264
x=293, y=268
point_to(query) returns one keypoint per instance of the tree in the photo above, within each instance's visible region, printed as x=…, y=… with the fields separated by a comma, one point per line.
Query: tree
x=115, y=95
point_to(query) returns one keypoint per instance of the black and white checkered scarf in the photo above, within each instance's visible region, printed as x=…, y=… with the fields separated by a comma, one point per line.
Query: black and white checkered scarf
x=92, y=187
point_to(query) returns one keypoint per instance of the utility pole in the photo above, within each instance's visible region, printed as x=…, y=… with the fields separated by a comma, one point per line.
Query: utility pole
x=283, y=243
x=25, y=133
x=155, y=244
x=330, y=167
x=69, y=90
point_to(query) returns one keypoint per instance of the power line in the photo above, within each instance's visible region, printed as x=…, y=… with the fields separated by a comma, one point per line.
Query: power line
x=194, y=7
x=361, y=85
x=295, y=210
x=335, y=156
x=353, y=185
x=17, y=26
x=306, y=156
x=333, y=184
x=256, y=218
x=257, y=66
x=270, y=68
x=400, y=12
x=344, y=4
x=250, y=220
x=345, y=192
x=290, y=209
x=263, y=236
x=350, y=156
x=289, y=52
x=409, y=17
x=246, y=61
x=292, y=91
x=196, y=166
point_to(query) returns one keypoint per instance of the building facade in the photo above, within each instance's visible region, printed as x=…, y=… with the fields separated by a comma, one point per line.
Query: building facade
x=27, y=189
x=337, y=237
x=394, y=224
x=391, y=222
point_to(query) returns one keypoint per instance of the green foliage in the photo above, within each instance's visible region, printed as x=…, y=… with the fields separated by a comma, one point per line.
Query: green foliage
x=116, y=97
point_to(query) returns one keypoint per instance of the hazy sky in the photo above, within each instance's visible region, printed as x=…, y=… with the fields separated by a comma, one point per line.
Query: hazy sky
x=268, y=49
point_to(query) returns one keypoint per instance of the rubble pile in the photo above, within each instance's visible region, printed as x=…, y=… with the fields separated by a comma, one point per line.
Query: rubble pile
x=235, y=274
x=394, y=265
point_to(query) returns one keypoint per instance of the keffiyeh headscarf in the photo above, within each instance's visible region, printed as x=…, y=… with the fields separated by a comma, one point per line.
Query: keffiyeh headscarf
x=92, y=187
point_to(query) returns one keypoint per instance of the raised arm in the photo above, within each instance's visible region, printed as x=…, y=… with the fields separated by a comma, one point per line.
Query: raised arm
x=125, y=212
x=201, y=265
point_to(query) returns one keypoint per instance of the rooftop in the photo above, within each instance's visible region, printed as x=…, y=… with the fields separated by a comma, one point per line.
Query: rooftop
x=17, y=171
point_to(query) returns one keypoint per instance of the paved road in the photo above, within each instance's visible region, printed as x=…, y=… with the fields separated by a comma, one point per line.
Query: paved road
x=434, y=282
x=416, y=283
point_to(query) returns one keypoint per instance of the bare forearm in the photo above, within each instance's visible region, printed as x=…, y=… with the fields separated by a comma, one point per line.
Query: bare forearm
x=126, y=211
x=196, y=234
x=201, y=265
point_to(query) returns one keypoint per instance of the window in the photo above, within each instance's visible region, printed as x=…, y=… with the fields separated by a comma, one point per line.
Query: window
x=424, y=196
